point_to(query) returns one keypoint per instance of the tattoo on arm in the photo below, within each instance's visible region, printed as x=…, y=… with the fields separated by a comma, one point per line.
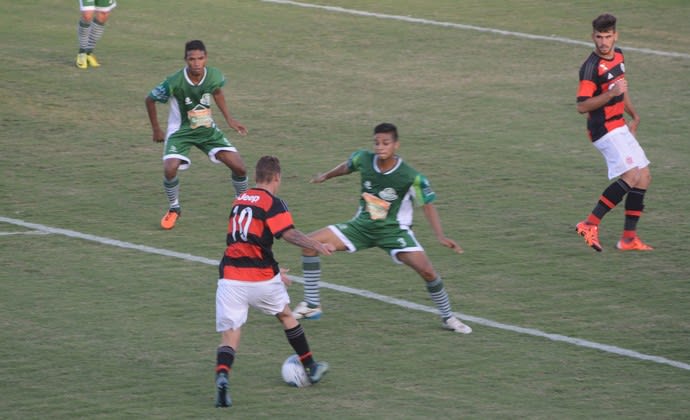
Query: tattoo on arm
x=298, y=238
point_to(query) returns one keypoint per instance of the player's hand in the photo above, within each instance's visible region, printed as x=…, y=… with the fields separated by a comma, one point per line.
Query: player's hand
x=318, y=178
x=284, y=278
x=237, y=126
x=158, y=135
x=618, y=88
x=449, y=243
x=632, y=126
x=326, y=249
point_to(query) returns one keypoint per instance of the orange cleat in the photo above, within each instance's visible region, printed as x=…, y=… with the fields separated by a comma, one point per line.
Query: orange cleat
x=635, y=244
x=168, y=221
x=590, y=233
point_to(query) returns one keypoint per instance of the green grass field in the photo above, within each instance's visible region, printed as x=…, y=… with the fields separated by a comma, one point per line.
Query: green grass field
x=90, y=330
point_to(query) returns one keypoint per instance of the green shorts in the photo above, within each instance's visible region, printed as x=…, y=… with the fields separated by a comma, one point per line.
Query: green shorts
x=359, y=234
x=211, y=142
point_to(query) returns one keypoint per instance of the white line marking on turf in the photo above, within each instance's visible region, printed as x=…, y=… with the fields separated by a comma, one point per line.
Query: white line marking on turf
x=469, y=27
x=28, y=232
x=362, y=293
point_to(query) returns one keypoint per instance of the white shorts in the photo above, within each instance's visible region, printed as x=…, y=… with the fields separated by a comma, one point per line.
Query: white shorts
x=233, y=299
x=97, y=5
x=621, y=151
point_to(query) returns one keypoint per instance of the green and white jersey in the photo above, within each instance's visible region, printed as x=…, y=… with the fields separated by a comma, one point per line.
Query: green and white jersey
x=190, y=104
x=395, y=193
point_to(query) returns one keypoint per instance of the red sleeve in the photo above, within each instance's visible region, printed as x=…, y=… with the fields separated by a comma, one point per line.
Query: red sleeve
x=279, y=218
x=280, y=223
x=586, y=90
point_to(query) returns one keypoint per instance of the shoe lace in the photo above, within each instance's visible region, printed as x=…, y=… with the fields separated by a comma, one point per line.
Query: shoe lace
x=591, y=235
x=170, y=213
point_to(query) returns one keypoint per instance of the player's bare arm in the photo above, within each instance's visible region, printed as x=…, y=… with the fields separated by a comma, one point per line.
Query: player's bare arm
x=434, y=219
x=298, y=238
x=219, y=98
x=158, y=135
x=339, y=170
x=599, y=101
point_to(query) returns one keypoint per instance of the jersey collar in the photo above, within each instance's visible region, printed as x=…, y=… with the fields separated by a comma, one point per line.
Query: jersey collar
x=186, y=76
x=376, y=165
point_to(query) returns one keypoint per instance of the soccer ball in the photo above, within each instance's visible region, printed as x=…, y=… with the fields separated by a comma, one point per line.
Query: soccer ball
x=293, y=372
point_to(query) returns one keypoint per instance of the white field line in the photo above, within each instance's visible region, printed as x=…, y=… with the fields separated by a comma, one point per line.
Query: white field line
x=410, y=19
x=27, y=232
x=362, y=293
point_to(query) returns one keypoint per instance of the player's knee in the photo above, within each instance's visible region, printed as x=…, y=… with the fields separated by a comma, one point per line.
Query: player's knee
x=646, y=178
x=309, y=252
x=428, y=273
x=239, y=171
x=102, y=17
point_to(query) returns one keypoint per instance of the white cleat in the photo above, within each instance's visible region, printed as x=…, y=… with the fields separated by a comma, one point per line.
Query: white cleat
x=456, y=325
x=303, y=311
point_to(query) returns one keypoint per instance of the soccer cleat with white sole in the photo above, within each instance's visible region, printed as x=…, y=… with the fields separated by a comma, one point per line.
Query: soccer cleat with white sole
x=307, y=311
x=316, y=372
x=456, y=325
x=635, y=244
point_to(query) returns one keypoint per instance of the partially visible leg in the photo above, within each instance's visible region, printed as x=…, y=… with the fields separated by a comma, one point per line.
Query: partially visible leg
x=634, y=205
x=310, y=308
x=589, y=228
x=171, y=185
x=612, y=195
x=83, y=32
x=298, y=340
x=225, y=357
x=233, y=160
x=419, y=261
x=231, y=313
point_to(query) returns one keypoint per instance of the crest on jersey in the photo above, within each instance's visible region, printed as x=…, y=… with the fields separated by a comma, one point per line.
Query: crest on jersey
x=388, y=194
x=367, y=185
x=205, y=99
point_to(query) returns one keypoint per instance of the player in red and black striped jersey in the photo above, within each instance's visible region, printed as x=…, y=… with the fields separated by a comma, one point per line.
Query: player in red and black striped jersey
x=599, y=75
x=603, y=95
x=257, y=216
x=250, y=275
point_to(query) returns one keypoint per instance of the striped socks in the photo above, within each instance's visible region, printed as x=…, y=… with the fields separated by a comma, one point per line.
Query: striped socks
x=240, y=184
x=311, y=268
x=634, y=205
x=172, y=191
x=95, y=33
x=439, y=296
x=609, y=199
x=83, y=30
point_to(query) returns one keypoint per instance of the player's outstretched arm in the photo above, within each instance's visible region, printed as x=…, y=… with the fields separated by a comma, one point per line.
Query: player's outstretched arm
x=219, y=98
x=435, y=221
x=298, y=238
x=339, y=170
